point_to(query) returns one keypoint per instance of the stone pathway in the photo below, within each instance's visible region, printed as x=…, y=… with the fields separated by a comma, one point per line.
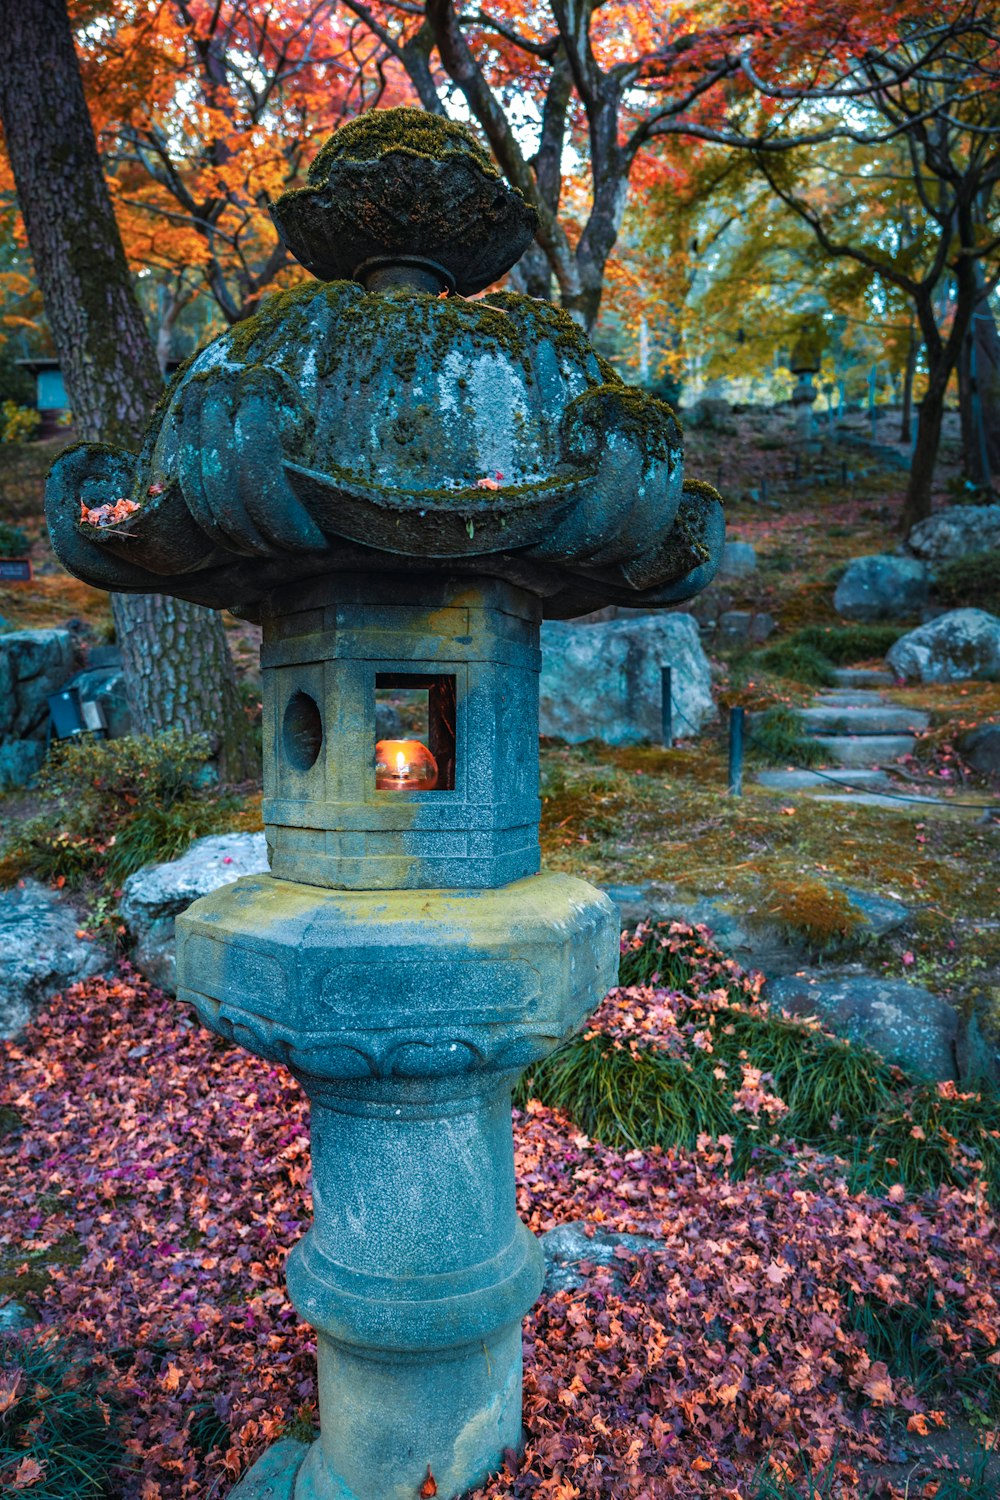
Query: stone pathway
x=860, y=729
x=860, y=726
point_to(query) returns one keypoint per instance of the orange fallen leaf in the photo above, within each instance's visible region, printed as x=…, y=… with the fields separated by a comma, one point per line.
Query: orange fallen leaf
x=429, y=1486
x=28, y=1472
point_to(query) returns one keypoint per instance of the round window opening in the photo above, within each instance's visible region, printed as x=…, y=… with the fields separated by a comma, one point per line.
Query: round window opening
x=302, y=731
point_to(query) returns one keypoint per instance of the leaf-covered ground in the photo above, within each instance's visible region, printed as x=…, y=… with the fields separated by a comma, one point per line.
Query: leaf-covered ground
x=152, y=1181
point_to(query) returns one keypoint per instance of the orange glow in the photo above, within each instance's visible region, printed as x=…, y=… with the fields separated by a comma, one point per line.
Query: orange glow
x=404, y=766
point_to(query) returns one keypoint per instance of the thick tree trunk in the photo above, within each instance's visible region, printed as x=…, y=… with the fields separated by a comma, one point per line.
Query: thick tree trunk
x=920, y=490
x=107, y=357
x=163, y=636
x=979, y=396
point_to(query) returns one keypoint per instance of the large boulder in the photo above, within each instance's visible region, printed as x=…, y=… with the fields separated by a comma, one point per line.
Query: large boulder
x=42, y=953
x=739, y=559
x=981, y=748
x=33, y=664
x=956, y=531
x=603, y=681
x=156, y=894
x=907, y=1025
x=882, y=587
x=964, y=643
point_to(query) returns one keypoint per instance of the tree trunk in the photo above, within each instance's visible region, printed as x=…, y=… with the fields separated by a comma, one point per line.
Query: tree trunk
x=107, y=357
x=979, y=395
x=170, y=696
x=925, y=452
x=905, y=430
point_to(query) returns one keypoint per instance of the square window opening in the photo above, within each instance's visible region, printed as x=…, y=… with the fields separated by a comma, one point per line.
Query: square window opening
x=414, y=732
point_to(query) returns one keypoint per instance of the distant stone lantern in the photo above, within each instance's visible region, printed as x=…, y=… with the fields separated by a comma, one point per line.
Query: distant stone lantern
x=805, y=362
x=399, y=484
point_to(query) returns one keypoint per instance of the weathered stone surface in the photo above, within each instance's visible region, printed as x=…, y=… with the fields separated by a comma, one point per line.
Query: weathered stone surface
x=14, y=1318
x=734, y=627
x=33, y=664
x=405, y=1014
x=762, y=627
x=19, y=760
x=908, y=1025
x=637, y=903
x=863, y=677
x=956, y=531
x=981, y=748
x=41, y=951
x=863, y=749
x=882, y=587
x=155, y=895
x=965, y=643
x=880, y=914
x=603, y=681
x=834, y=717
x=368, y=425
x=397, y=983
x=570, y=1246
x=274, y=1474
x=739, y=559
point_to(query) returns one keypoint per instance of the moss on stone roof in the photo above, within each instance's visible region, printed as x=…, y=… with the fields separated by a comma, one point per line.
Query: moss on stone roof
x=412, y=131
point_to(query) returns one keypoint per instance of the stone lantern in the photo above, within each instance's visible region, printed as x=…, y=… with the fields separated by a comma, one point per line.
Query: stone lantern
x=400, y=483
x=805, y=362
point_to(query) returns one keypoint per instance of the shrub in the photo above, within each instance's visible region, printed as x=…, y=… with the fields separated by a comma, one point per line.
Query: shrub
x=119, y=804
x=845, y=644
x=776, y=739
x=17, y=423
x=797, y=664
x=13, y=542
x=61, y=1429
x=972, y=581
x=119, y=773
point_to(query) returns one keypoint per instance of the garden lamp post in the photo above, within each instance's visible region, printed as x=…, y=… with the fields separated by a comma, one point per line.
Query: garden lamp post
x=400, y=483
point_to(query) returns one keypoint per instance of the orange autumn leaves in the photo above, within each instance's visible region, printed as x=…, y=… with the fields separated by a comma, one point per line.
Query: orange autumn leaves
x=719, y=1341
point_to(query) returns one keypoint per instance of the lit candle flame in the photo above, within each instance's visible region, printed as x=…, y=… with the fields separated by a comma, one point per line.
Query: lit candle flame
x=401, y=764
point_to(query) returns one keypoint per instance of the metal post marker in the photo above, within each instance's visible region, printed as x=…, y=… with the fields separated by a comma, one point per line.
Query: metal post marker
x=666, y=706
x=736, y=717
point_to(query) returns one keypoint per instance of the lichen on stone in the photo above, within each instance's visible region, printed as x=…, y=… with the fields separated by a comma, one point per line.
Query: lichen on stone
x=412, y=131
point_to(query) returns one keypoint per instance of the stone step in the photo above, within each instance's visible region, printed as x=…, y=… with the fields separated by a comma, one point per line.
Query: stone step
x=864, y=749
x=899, y=803
x=850, y=697
x=873, y=719
x=863, y=677
x=801, y=780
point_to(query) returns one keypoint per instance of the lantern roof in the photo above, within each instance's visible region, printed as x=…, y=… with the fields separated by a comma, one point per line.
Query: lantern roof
x=377, y=420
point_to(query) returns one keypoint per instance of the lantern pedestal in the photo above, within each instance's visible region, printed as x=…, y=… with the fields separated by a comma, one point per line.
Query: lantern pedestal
x=407, y=1016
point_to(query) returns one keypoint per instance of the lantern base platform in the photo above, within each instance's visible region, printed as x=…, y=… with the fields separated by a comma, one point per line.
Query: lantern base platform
x=351, y=987
x=273, y=1476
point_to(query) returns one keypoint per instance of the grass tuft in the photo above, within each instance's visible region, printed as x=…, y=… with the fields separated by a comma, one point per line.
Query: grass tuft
x=686, y=1049
x=61, y=1420
x=776, y=739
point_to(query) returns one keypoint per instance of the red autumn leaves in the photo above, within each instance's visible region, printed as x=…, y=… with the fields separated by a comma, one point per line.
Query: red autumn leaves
x=159, y=1178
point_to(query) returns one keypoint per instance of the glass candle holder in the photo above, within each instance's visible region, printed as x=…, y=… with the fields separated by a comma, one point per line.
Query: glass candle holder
x=404, y=766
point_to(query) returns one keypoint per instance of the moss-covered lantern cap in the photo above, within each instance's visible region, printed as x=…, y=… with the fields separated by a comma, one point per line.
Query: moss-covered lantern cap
x=380, y=423
x=401, y=185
